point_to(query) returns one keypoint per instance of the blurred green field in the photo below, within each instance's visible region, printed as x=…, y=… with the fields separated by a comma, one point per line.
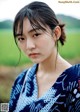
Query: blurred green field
x=9, y=53
x=71, y=49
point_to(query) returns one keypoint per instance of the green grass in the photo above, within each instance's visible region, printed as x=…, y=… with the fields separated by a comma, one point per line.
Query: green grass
x=9, y=53
x=71, y=49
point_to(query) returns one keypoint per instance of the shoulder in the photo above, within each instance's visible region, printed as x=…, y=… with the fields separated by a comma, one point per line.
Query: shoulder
x=17, y=86
x=73, y=88
x=72, y=78
x=15, y=91
x=73, y=72
x=20, y=78
x=18, y=83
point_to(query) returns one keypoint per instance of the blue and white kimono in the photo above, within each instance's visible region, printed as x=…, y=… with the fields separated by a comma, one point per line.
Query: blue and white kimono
x=63, y=96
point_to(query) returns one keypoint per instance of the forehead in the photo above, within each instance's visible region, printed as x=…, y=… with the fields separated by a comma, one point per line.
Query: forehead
x=27, y=27
x=26, y=24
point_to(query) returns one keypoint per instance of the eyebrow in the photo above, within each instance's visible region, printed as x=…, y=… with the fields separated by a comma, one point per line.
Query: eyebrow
x=34, y=29
x=30, y=31
x=19, y=34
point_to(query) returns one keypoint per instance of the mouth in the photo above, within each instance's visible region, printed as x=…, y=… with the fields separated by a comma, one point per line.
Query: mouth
x=34, y=55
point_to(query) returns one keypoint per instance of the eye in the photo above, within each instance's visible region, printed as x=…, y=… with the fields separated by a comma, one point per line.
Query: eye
x=36, y=34
x=20, y=39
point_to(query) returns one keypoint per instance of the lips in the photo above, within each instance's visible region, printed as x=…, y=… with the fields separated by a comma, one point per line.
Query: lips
x=33, y=55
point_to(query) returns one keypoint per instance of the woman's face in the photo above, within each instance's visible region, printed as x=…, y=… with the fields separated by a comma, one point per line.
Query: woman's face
x=37, y=45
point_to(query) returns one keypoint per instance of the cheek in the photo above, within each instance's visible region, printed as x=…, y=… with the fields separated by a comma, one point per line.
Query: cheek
x=22, y=47
x=46, y=43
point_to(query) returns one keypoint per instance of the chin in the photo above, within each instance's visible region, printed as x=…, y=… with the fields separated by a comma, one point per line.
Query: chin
x=36, y=60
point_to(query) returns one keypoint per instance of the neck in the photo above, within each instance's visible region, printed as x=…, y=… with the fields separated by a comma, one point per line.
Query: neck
x=53, y=65
x=49, y=65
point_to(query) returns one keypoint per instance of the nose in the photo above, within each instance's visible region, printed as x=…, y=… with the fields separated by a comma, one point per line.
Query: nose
x=30, y=44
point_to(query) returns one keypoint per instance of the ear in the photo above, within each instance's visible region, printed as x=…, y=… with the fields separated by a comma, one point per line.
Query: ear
x=57, y=32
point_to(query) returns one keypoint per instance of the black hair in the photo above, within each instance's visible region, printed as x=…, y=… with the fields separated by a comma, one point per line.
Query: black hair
x=39, y=14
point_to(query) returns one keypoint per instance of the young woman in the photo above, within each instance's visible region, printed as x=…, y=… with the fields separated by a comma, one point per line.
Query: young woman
x=51, y=84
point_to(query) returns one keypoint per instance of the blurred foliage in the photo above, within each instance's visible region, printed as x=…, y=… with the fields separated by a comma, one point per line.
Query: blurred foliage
x=7, y=24
x=69, y=21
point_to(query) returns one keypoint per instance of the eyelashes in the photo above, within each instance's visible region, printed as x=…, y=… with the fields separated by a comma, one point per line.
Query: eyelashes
x=36, y=34
x=21, y=38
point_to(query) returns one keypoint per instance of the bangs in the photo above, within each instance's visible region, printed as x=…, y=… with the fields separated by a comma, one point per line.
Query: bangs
x=31, y=16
